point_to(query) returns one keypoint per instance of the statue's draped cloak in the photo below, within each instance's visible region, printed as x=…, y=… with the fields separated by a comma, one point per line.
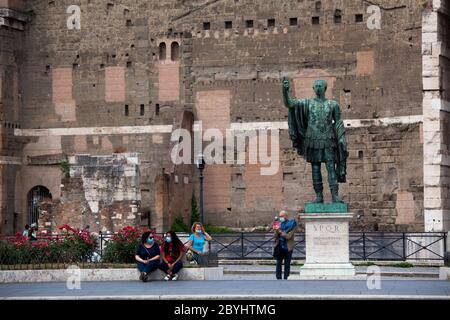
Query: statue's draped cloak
x=298, y=118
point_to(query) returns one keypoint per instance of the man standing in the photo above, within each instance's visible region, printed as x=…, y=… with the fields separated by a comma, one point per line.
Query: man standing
x=317, y=132
x=284, y=239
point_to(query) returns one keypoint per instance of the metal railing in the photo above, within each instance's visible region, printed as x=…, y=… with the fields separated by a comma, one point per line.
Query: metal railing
x=363, y=246
x=429, y=246
x=392, y=246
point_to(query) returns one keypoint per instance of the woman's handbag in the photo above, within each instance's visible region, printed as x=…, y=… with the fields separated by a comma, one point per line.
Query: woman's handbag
x=189, y=255
x=277, y=251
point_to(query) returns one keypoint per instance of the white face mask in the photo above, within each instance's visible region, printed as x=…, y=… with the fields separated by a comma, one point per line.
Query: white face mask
x=282, y=219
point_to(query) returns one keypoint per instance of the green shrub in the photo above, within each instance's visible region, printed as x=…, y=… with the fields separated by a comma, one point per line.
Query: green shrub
x=214, y=229
x=74, y=246
x=179, y=226
x=65, y=167
x=122, y=247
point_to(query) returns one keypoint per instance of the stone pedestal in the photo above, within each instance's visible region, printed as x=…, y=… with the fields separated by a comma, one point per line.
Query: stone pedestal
x=327, y=246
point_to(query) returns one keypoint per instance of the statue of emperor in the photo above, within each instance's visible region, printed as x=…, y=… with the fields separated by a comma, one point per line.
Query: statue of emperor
x=318, y=133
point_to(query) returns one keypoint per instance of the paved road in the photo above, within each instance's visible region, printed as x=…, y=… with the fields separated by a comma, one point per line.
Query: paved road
x=414, y=271
x=268, y=289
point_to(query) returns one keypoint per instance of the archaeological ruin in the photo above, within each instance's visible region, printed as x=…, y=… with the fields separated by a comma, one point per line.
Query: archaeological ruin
x=91, y=92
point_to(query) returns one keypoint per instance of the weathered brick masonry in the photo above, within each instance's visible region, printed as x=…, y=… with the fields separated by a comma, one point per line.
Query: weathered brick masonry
x=137, y=70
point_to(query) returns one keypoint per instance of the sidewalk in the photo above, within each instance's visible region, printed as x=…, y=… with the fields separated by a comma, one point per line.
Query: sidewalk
x=262, y=272
x=243, y=289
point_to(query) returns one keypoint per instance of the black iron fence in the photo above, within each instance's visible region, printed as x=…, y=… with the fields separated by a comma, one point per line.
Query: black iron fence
x=363, y=246
x=429, y=246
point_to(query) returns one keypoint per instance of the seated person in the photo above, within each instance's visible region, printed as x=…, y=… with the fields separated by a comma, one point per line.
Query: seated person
x=197, y=242
x=147, y=256
x=172, y=251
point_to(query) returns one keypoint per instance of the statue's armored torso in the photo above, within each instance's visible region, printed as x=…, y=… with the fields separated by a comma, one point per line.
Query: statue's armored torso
x=320, y=132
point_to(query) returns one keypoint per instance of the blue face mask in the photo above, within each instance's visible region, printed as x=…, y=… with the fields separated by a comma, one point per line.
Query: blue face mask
x=282, y=220
x=150, y=240
x=198, y=230
x=168, y=239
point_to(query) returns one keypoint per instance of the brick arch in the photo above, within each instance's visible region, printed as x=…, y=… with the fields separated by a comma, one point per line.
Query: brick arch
x=32, y=176
x=35, y=197
x=174, y=51
x=162, y=51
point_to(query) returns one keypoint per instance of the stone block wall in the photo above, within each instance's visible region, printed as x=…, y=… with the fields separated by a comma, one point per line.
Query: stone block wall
x=99, y=191
x=128, y=77
x=436, y=108
x=11, y=41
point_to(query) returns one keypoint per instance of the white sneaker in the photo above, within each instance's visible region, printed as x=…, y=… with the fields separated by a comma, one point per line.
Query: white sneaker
x=175, y=277
x=167, y=278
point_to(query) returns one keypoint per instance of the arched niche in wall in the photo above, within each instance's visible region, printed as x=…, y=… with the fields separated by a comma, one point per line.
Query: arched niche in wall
x=175, y=51
x=35, y=196
x=162, y=51
x=166, y=111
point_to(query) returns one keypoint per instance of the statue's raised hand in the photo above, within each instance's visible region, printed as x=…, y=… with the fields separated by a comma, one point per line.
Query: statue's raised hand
x=285, y=83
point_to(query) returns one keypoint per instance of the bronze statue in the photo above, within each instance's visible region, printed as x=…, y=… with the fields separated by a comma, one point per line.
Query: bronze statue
x=317, y=132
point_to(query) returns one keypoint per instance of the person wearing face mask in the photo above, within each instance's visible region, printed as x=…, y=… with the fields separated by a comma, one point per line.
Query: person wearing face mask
x=147, y=256
x=197, y=241
x=32, y=233
x=172, y=251
x=284, y=243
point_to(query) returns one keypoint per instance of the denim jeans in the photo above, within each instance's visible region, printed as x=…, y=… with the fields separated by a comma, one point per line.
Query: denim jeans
x=200, y=259
x=149, y=267
x=175, y=269
x=286, y=256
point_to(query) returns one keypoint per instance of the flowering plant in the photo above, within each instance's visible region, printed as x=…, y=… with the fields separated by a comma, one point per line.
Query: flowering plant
x=71, y=246
x=122, y=246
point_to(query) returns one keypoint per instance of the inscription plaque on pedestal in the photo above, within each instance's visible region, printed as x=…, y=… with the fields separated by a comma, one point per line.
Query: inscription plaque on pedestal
x=327, y=246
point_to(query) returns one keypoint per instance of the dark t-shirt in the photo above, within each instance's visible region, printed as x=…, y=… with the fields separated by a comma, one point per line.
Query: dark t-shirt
x=147, y=253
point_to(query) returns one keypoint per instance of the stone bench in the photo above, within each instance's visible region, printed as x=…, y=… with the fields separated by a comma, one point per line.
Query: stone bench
x=124, y=274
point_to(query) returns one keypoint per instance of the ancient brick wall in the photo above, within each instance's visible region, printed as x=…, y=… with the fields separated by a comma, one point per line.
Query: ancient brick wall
x=119, y=83
x=99, y=191
x=11, y=24
x=373, y=74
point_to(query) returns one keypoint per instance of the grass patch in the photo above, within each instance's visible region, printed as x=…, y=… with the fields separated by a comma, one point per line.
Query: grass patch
x=366, y=264
x=394, y=264
x=403, y=265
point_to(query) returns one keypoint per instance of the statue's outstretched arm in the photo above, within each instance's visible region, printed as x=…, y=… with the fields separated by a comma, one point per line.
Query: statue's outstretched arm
x=288, y=101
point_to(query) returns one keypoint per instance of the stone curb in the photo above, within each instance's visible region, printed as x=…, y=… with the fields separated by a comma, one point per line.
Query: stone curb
x=124, y=274
x=385, y=274
x=295, y=262
x=241, y=297
x=444, y=273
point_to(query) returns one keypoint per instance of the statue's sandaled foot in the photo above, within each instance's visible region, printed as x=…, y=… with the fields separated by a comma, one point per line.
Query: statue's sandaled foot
x=319, y=198
x=318, y=189
x=337, y=199
x=334, y=194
